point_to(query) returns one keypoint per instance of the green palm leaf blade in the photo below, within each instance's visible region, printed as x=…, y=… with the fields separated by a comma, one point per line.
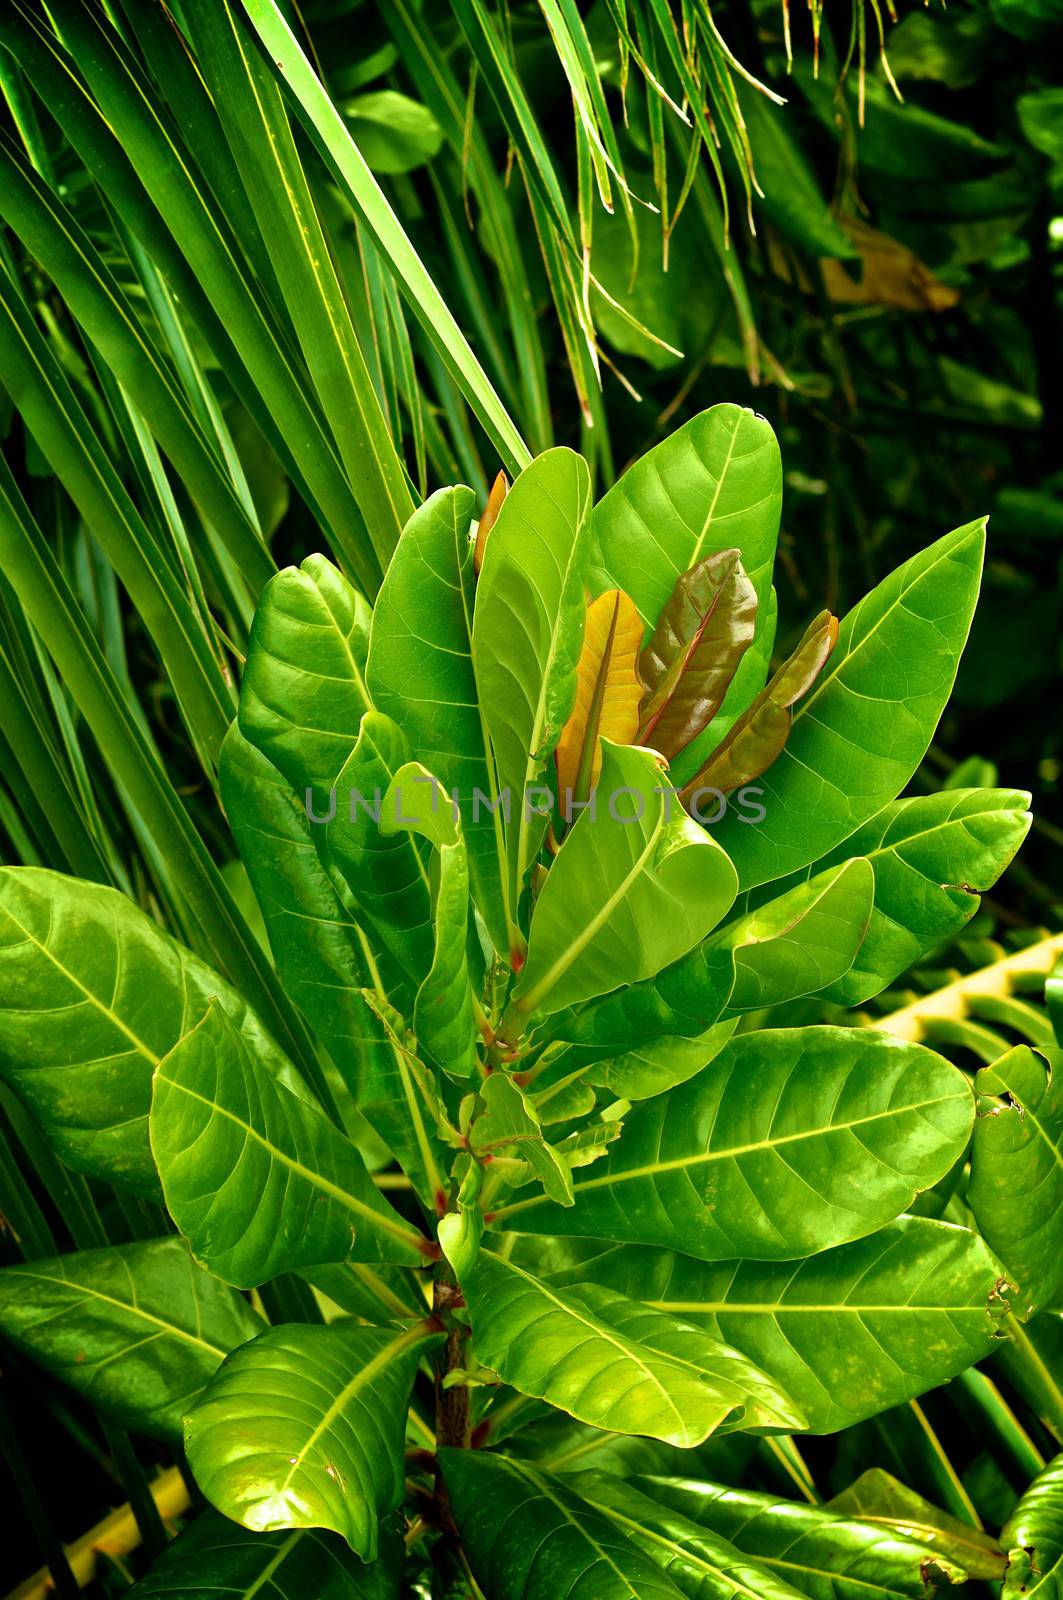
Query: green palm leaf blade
x=932, y=857
x=866, y=725
x=257, y=1179
x=846, y=1333
x=137, y=1328
x=1033, y=1538
x=702, y=1564
x=527, y=633
x=443, y=1015
x=801, y=941
x=715, y=484
x=611, y=1362
x=303, y=1427
x=1016, y=1186
x=323, y=956
x=95, y=994
x=420, y=674
x=529, y=1537
x=825, y=1554
x=787, y=1143
x=635, y=886
x=216, y=1559
x=303, y=693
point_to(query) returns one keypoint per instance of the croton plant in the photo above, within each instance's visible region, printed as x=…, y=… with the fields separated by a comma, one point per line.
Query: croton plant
x=537, y=838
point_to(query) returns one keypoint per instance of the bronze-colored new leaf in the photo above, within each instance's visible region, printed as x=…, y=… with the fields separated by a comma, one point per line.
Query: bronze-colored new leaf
x=701, y=636
x=760, y=733
x=499, y=490
x=608, y=692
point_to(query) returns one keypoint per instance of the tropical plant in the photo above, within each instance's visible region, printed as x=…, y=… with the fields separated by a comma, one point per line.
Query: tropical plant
x=614, y=1214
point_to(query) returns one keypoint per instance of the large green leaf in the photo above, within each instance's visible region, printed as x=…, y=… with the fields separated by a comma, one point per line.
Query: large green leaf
x=420, y=674
x=825, y=1554
x=704, y=1565
x=258, y=1180
x=862, y=731
x=632, y=889
x=800, y=942
x=303, y=693
x=847, y=1333
x=526, y=637
x=1016, y=1187
x=657, y=1066
x=136, y=1328
x=715, y=484
x=611, y=1362
x=1033, y=1538
x=216, y=1559
x=529, y=1537
x=788, y=1142
x=443, y=1014
x=381, y=862
x=94, y=994
x=303, y=1428
x=932, y=857
x=881, y=1501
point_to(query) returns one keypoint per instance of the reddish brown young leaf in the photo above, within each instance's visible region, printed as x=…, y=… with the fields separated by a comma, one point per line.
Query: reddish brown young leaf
x=499, y=490
x=701, y=636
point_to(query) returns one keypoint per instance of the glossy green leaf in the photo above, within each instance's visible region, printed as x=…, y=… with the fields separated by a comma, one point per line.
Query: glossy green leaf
x=443, y=1016
x=714, y=484
x=1031, y=1360
x=258, y=1180
x=94, y=994
x=823, y=1553
x=694, y=651
x=394, y=133
x=801, y=942
x=657, y=1066
x=635, y=885
x=303, y=693
x=702, y=1563
x=1016, y=1185
x=137, y=1328
x=527, y=633
x=848, y=1332
x=611, y=1362
x=788, y=1142
x=509, y=1126
x=932, y=857
x=382, y=863
x=1033, y=1538
x=529, y=1537
x=216, y=1559
x=303, y=1428
x=882, y=1501
x=861, y=733
x=420, y=674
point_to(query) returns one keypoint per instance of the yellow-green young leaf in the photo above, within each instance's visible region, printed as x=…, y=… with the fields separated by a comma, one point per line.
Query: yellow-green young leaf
x=1033, y=1538
x=136, y=1328
x=848, y=1332
x=303, y=692
x=303, y=1428
x=527, y=1536
x=215, y=1556
x=635, y=885
x=526, y=638
x=608, y=692
x=611, y=1362
x=1016, y=1187
x=700, y=638
x=510, y=1126
x=443, y=1016
x=92, y=995
x=790, y=1141
x=258, y=1180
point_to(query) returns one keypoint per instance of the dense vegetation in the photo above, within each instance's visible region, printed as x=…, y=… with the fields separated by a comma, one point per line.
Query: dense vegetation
x=641, y=1174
